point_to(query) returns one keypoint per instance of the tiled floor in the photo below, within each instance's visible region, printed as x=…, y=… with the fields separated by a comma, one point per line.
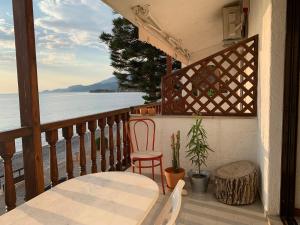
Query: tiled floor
x=204, y=209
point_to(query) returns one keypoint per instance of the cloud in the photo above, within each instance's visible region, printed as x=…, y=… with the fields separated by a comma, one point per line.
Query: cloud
x=55, y=58
x=6, y=29
x=67, y=42
x=7, y=42
x=73, y=22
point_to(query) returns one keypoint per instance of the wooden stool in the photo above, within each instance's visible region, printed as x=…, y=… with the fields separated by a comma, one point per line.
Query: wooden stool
x=237, y=183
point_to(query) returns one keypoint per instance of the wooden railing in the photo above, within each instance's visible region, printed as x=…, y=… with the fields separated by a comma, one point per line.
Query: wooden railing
x=116, y=122
x=223, y=84
x=149, y=109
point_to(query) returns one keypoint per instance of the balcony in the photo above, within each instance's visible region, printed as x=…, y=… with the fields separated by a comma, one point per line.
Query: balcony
x=238, y=93
x=226, y=98
x=114, y=156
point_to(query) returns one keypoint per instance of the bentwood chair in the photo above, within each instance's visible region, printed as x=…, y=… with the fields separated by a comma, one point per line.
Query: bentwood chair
x=142, y=140
x=170, y=211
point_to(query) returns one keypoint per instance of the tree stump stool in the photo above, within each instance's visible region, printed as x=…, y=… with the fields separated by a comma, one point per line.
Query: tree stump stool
x=237, y=183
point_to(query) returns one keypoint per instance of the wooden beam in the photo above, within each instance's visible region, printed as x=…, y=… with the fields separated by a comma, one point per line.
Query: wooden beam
x=297, y=212
x=169, y=64
x=28, y=96
x=290, y=113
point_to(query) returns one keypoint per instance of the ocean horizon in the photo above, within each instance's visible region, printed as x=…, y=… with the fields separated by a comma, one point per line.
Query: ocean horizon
x=61, y=106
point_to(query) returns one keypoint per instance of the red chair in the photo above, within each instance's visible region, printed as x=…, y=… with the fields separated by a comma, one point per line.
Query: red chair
x=142, y=146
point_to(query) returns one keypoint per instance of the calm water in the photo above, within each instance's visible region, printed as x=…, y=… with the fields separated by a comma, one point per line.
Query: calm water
x=59, y=106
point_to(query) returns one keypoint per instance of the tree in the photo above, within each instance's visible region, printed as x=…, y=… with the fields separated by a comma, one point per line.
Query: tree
x=137, y=65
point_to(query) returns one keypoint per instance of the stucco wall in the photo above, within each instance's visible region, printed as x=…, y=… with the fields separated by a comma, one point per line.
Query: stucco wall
x=232, y=139
x=267, y=18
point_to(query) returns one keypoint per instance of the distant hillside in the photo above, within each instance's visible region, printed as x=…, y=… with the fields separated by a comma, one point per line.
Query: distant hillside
x=110, y=84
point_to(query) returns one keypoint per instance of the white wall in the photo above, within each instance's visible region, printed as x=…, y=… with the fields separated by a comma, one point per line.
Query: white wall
x=232, y=139
x=267, y=18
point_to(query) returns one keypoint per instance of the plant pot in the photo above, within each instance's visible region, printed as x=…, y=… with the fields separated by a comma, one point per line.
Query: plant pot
x=173, y=177
x=151, y=111
x=199, y=182
x=143, y=111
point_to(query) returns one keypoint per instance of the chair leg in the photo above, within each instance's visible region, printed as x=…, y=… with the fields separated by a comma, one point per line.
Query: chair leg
x=152, y=169
x=133, y=165
x=140, y=169
x=162, y=176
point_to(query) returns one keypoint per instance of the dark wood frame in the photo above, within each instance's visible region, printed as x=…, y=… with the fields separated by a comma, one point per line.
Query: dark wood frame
x=290, y=113
x=28, y=96
x=297, y=212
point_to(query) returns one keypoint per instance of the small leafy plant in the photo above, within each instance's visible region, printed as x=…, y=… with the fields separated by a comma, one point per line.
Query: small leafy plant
x=175, y=146
x=197, y=147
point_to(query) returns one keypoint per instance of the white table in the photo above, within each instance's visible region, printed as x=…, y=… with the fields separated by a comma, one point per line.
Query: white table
x=110, y=198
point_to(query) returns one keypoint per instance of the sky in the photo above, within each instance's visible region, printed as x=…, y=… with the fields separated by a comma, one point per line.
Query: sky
x=68, y=48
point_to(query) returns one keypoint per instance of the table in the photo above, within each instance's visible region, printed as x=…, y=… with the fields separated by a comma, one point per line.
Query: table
x=109, y=198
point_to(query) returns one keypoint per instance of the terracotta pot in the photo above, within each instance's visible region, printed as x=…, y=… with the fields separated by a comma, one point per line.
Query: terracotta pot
x=143, y=111
x=172, y=178
x=151, y=111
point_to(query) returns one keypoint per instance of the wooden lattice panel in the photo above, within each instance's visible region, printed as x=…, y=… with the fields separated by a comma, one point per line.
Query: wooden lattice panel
x=223, y=84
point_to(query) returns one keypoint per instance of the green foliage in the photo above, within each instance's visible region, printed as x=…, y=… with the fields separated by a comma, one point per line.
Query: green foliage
x=197, y=148
x=138, y=65
x=175, y=146
x=210, y=92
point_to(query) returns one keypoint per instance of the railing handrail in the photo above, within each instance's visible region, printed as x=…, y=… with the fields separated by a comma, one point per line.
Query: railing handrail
x=15, y=133
x=26, y=131
x=81, y=119
x=147, y=105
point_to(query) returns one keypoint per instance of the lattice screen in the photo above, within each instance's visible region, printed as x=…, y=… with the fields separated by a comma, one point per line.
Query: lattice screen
x=223, y=84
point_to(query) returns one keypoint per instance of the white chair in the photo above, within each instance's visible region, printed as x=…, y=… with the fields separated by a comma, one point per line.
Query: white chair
x=170, y=211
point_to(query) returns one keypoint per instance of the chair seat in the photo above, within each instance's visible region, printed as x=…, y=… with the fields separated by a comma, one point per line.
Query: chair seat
x=145, y=154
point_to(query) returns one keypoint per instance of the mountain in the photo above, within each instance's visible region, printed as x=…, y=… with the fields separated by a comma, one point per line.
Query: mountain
x=110, y=84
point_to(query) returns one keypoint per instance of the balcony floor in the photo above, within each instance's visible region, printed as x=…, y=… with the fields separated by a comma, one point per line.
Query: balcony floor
x=197, y=209
x=204, y=209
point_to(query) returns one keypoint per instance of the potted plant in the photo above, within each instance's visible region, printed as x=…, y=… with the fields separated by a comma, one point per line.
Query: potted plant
x=197, y=152
x=175, y=173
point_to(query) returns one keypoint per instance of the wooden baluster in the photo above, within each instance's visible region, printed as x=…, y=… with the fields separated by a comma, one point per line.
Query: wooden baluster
x=128, y=140
x=51, y=138
x=125, y=149
x=7, y=150
x=81, y=129
x=133, y=110
x=110, y=122
x=119, y=164
x=68, y=134
x=102, y=124
x=92, y=127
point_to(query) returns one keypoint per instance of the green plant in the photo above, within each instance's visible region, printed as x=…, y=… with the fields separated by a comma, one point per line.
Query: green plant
x=175, y=146
x=210, y=92
x=197, y=148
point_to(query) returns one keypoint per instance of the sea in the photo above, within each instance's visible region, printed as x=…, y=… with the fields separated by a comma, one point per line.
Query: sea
x=60, y=106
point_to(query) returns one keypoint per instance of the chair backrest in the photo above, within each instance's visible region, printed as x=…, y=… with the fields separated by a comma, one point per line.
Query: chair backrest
x=141, y=134
x=171, y=210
